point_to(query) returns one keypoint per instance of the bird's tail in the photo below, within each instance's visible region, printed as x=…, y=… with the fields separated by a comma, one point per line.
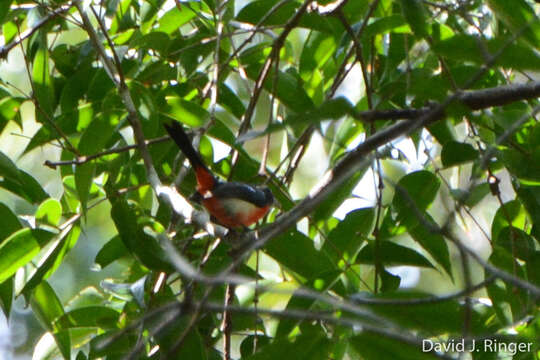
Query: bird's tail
x=205, y=179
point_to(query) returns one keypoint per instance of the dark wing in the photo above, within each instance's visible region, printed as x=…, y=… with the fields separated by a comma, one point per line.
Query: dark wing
x=259, y=197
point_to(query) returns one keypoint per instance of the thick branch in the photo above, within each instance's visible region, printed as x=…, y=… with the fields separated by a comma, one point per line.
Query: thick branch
x=473, y=99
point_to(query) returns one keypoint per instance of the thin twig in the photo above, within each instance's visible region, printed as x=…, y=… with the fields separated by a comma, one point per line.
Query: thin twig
x=84, y=159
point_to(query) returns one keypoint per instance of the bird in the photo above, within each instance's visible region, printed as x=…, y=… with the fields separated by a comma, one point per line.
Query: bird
x=231, y=204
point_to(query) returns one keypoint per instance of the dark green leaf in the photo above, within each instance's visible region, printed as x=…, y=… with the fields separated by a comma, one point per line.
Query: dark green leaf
x=455, y=153
x=10, y=223
x=111, y=251
x=433, y=243
x=347, y=237
x=230, y=101
x=377, y=347
x=519, y=17
x=465, y=48
x=392, y=254
x=4, y=9
x=414, y=193
x=414, y=13
x=158, y=41
x=286, y=248
x=115, y=344
x=90, y=316
x=332, y=109
x=259, y=11
x=84, y=176
x=6, y=296
x=525, y=166
x=144, y=247
x=328, y=206
x=391, y=23
x=8, y=169
x=389, y=281
x=288, y=89
x=98, y=133
x=516, y=242
x=313, y=346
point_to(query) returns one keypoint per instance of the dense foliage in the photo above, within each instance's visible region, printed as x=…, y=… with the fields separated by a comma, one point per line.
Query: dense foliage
x=426, y=225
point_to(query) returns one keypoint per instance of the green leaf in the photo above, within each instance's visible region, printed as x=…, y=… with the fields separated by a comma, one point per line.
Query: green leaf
x=433, y=243
x=84, y=176
x=144, y=247
x=49, y=212
x=174, y=18
x=389, y=281
x=155, y=40
x=230, y=101
x=328, y=206
x=111, y=251
x=112, y=343
x=392, y=254
x=9, y=110
x=516, y=15
x=455, y=153
x=88, y=316
x=4, y=9
x=42, y=82
x=21, y=247
x=414, y=13
x=440, y=317
x=289, y=89
x=46, y=305
x=474, y=196
x=10, y=222
x=332, y=109
x=414, y=193
x=517, y=242
x=318, y=49
x=509, y=214
x=6, y=296
x=286, y=248
x=8, y=169
x=391, y=23
x=373, y=346
x=47, y=308
x=186, y=112
x=313, y=345
x=347, y=237
x=98, y=133
x=466, y=48
x=259, y=12
x=19, y=182
x=525, y=166
x=65, y=241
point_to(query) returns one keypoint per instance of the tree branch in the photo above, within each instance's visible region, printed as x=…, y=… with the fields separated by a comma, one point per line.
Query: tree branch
x=473, y=99
x=4, y=50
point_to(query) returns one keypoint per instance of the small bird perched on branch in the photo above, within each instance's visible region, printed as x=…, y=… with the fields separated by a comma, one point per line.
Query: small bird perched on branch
x=231, y=204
